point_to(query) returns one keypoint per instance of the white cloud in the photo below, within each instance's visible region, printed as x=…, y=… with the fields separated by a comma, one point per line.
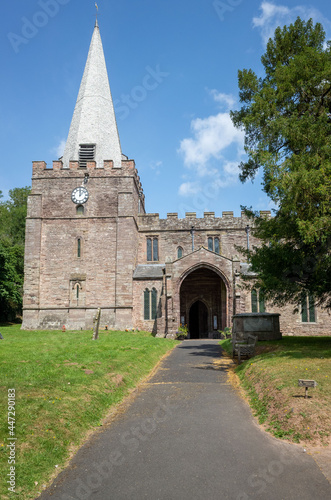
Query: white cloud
x=59, y=149
x=273, y=15
x=156, y=167
x=211, y=136
x=189, y=188
x=231, y=168
x=227, y=101
x=212, y=153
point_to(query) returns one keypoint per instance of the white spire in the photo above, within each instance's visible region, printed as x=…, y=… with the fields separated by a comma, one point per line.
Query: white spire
x=93, y=121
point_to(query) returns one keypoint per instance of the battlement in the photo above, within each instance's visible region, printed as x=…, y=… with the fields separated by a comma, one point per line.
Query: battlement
x=128, y=169
x=108, y=165
x=208, y=221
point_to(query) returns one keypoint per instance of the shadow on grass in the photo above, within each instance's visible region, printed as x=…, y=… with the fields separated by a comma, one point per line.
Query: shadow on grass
x=5, y=324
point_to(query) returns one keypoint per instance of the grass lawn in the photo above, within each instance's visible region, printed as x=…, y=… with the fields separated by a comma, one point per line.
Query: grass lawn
x=270, y=380
x=65, y=384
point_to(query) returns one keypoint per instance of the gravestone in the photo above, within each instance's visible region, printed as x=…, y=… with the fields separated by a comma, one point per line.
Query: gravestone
x=265, y=326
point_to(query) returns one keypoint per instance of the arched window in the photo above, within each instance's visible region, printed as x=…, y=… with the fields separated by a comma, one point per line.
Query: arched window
x=80, y=210
x=154, y=303
x=257, y=299
x=146, y=304
x=150, y=304
x=214, y=244
x=155, y=249
x=152, y=249
x=79, y=248
x=179, y=252
x=254, y=300
x=308, y=309
x=261, y=302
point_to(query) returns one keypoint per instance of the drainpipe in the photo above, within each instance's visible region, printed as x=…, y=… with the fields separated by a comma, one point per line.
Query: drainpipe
x=166, y=301
x=192, y=234
x=247, y=232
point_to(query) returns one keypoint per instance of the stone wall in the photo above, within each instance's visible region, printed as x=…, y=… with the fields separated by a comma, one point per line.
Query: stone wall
x=173, y=232
x=108, y=235
x=62, y=288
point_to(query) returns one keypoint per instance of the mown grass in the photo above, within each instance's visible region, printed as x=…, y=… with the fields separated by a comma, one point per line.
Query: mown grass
x=270, y=380
x=65, y=384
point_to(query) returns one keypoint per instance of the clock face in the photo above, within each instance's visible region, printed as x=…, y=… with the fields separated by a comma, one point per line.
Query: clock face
x=79, y=195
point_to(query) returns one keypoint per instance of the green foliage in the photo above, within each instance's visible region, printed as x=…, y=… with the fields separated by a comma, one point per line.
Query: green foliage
x=287, y=121
x=12, y=233
x=226, y=333
x=182, y=332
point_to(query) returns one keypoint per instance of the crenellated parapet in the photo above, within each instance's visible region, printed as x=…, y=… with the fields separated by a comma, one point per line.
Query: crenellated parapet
x=40, y=170
x=152, y=222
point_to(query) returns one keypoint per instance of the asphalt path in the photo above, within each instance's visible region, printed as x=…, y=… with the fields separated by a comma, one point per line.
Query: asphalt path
x=188, y=435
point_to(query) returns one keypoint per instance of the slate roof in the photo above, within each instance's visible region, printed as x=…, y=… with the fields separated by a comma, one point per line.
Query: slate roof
x=149, y=271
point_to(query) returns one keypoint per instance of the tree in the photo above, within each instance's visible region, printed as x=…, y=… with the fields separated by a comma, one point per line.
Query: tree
x=286, y=116
x=12, y=236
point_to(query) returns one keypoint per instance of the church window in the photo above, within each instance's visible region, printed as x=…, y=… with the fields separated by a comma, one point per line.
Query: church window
x=155, y=249
x=214, y=244
x=257, y=300
x=86, y=153
x=77, y=292
x=152, y=249
x=179, y=252
x=150, y=304
x=149, y=249
x=254, y=301
x=146, y=304
x=79, y=248
x=261, y=302
x=154, y=303
x=80, y=210
x=308, y=309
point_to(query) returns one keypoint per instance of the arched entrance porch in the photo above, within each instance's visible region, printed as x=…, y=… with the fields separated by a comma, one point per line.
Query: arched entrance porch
x=203, y=303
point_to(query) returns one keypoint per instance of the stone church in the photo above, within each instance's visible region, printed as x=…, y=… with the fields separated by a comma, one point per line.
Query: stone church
x=90, y=244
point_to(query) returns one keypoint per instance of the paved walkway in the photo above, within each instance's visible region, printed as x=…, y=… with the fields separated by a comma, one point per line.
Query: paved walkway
x=188, y=435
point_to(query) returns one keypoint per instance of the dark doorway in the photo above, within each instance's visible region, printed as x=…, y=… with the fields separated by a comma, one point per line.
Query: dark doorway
x=198, y=320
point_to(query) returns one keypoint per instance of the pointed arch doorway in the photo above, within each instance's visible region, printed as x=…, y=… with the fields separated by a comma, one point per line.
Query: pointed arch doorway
x=198, y=320
x=203, y=302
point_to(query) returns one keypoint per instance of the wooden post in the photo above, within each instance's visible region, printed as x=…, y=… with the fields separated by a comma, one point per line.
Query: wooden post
x=306, y=384
x=96, y=322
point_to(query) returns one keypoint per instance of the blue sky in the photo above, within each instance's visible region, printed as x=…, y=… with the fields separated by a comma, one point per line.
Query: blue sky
x=178, y=129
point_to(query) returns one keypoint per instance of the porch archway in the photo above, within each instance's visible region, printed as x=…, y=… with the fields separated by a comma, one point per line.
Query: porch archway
x=203, y=302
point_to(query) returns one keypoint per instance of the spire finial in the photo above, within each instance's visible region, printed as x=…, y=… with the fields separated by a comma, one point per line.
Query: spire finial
x=96, y=15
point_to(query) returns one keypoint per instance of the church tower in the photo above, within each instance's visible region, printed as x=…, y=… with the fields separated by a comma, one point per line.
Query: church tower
x=81, y=228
